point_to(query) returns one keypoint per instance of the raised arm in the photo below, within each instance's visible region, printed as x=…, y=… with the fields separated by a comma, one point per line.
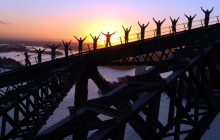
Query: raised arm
x=76, y=38
x=49, y=46
x=35, y=49
x=130, y=28
x=85, y=38
x=98, y=36
x=202, y=10
x=43, y=50
x=57, y=46
x=139, y=24
x=186, y=15
x=154, y=20
x=92, y=36
x=194, y=16
x=69, y=42
x=103, y=33
x=123, y=27
x=212, y=9
x=171, y=19
x=146, y=25
x=113, y=33
x=177, y=19
x=63, y=43
x=163, y=21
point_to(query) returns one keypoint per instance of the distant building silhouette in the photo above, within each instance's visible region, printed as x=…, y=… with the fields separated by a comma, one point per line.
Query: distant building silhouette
x=174, y=21
x=108, y=39
x=207, y=14
x=53, y=50
x=143, y=29
x=66, y=47
x=80, y=43
x=126, y=33
x=39, y=55
x=190, y=19
x=159, y=26
x=95, y=40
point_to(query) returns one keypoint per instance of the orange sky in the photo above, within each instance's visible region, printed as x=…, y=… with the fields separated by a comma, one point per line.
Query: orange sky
x=56, y=20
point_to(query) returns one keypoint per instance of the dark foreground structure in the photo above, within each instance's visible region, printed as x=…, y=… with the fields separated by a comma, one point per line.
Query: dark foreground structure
x=30, y=95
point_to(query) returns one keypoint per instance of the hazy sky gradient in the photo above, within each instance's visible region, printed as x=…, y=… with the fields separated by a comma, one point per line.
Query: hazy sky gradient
x=61, y=19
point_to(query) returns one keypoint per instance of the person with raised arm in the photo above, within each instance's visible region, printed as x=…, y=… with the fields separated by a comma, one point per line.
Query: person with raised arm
x=80, y=43
x=108, y=39
x=126, y=33
x=174, y=21
x=207, y=14
x=66, y=47
x=190, y=19
x=95, y=40
x=143, y=29
x=159, y=26
x=39, y=54
x=53, y=51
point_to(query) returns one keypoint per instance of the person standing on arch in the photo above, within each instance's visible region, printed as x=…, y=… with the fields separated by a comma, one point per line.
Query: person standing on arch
x=126, y=33
x=108, y=37
x=27, y=61
x=80, y=43
x=174, y=21
x=66, y=47
x=95, y=40
x=53, y=51
x=159, y=26
x=39, y=54
x=190, y=19
x=143, y=29
x=207, y=14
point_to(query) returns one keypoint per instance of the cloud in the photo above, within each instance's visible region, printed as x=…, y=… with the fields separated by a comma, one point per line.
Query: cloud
x=5, y=23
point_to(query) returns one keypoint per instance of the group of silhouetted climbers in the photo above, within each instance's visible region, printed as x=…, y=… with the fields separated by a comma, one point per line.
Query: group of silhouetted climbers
x=108, y=36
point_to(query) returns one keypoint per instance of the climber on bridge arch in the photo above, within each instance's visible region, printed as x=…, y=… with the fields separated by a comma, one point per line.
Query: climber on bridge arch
x=53, y=51
x=39, y=54
x=80, y=43
x=27, y=61
x=207, y=14
x=190, y=19
x=95, y=40
x=159, y=26
x=126, y=33
x=66, y=47
x=108, y=37
x=143, y=29
x=174, y=21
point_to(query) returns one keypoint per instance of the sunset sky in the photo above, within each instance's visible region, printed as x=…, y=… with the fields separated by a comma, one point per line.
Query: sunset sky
x=61, y=19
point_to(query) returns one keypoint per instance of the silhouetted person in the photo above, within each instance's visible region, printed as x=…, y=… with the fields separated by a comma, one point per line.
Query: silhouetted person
x=143, y=29
x=27, y=61
x=108, y=37
x=126, y=33
x=66, y=47
x=80, y=43
x=39, y=52
x=53, y=51
x=159, y=26
x=174, y=21
x=190, y=19
x=207, y=14
x=95, y=40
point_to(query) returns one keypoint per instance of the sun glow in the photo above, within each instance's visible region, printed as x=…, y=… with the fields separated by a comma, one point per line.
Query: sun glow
x=105, y=26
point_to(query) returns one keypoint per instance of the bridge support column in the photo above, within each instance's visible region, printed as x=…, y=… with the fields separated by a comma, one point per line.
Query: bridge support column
x=81, y=91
